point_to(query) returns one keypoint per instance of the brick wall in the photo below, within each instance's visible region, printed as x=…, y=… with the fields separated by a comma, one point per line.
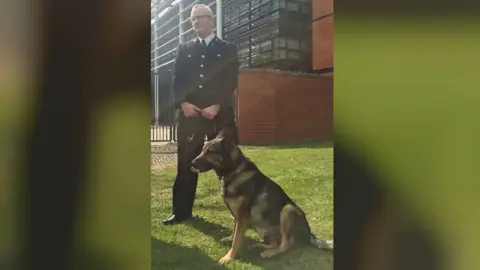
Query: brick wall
x=322, y=34
x=321, y=8
x=281, y=107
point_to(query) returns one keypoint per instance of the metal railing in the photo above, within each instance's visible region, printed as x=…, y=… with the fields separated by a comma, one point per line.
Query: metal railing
x=163, y=122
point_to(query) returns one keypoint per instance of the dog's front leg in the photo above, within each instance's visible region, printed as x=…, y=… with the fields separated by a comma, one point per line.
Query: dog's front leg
x=238, y=237
x=229, y=238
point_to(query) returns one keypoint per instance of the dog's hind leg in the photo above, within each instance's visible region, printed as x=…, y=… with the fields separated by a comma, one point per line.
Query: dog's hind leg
x=321, y=244
x=286, y=221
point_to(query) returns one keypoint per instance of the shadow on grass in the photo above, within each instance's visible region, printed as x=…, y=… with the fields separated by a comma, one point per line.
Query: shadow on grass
x=216, y=231
x=251, y=255
x=301, y=144
x=246, y=254
x=215, y=207
x=208, y=192
x=168, y=256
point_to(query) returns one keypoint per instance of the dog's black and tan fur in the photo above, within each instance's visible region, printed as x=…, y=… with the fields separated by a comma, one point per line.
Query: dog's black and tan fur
x=255, y=201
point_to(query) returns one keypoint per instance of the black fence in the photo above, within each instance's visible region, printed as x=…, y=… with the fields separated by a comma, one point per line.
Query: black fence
x=164, y=116
x=163, y=121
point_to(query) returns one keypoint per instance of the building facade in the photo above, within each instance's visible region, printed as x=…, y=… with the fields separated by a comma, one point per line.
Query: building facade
x=322, y=32
x=273, y=34
x=284, y=35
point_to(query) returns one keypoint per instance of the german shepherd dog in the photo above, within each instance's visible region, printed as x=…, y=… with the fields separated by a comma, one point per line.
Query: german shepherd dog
x=255, y=201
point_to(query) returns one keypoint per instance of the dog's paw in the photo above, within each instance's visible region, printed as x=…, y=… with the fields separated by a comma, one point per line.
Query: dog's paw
x=225, y=259
x=329, y=244
x=226, y=239
x=268, y=253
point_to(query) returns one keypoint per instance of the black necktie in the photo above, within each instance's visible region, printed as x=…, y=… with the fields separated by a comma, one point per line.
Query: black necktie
x=204, y=44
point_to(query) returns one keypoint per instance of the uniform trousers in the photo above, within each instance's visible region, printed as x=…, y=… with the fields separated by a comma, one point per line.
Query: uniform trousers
x=191, y=132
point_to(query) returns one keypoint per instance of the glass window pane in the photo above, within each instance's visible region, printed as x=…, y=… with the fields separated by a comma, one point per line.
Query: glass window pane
x=293, y=55
x=293, y=44
x=293, y=6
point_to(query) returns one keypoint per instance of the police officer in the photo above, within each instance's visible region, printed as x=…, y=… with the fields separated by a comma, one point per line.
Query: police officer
x=205, y=75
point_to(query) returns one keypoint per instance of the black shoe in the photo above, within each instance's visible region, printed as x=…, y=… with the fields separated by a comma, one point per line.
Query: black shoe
x=174, y=220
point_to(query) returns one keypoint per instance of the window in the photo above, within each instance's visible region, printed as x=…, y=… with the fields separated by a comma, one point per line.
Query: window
x=266, y=46
x=280, y=54
x=305, y=46
x=255, y=3
x=255, y=49
x=158, y=62
x=244, y=62
x=293, y=55
x=243, y=9
x=158, y=23
x=261, y=58
x=243, y=19
x=243, y=53
x=266, y=57
x=293, y=6
x=158, y=43
x=306, y=9
x=293, y=44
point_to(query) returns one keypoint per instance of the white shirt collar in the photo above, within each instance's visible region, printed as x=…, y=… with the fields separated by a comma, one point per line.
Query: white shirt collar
x=207, y=39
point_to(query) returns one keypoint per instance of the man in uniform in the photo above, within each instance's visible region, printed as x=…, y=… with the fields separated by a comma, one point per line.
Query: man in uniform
x=205, y=75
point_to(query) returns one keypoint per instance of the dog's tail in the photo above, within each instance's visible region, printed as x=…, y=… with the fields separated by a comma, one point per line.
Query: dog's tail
x=322, y=244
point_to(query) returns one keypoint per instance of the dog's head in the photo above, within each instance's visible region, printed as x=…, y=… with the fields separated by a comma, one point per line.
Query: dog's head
x=217, y=154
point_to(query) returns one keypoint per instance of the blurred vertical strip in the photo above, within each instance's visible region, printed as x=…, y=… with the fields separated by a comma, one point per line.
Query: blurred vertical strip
x=406, y=110
x=19, y=25
x=74, y=120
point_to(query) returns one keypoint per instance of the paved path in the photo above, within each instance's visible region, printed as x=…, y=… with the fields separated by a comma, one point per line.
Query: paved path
x=163, y=155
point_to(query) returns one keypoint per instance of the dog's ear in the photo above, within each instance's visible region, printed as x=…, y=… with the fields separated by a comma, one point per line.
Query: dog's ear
x=227, y=134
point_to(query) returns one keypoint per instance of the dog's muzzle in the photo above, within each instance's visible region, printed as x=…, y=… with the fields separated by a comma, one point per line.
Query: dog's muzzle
x=195, y=170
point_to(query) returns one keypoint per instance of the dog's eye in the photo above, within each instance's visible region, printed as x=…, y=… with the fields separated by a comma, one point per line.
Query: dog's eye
x=212, y=150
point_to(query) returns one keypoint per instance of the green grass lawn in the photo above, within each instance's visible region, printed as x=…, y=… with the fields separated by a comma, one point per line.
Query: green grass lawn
x=305, y=171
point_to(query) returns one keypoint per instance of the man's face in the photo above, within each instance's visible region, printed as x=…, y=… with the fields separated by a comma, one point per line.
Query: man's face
x=201, y=21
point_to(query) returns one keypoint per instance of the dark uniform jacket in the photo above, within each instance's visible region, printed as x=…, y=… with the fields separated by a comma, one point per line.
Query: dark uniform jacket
x=206, y=76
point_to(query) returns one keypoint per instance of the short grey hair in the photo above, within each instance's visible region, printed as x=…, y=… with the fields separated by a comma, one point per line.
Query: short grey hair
x=207, y=8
